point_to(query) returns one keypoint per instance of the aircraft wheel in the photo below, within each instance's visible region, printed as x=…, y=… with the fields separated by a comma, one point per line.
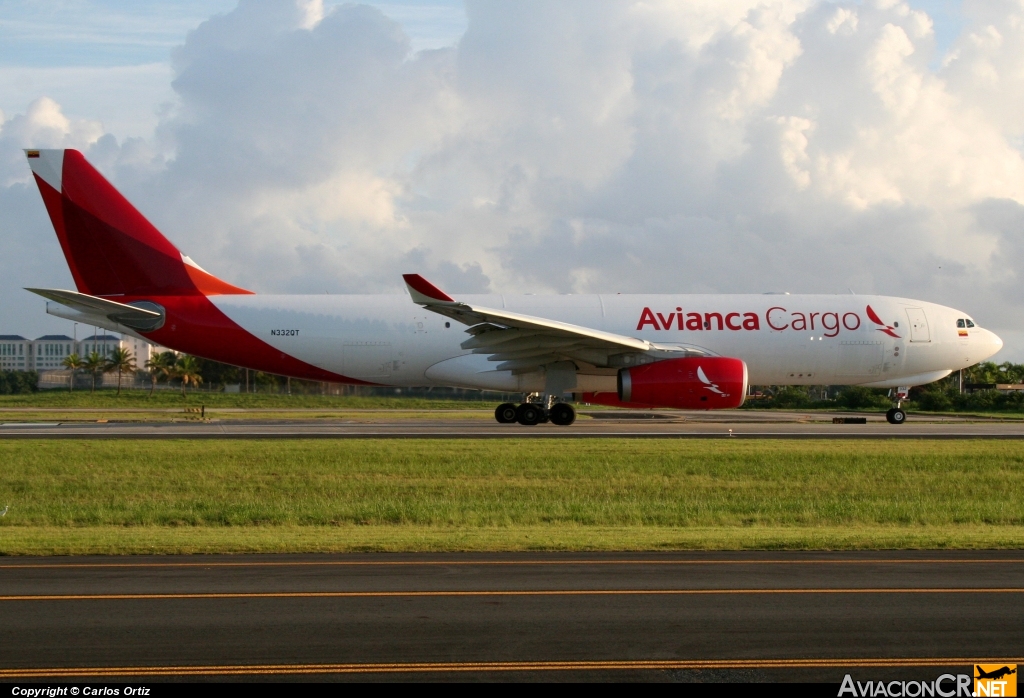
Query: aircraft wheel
x=505, y=413
x=562, y=414
x=529, y=414
x=895, y=416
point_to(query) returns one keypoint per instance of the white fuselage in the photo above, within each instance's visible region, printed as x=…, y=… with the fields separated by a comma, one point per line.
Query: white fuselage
x=784, y=339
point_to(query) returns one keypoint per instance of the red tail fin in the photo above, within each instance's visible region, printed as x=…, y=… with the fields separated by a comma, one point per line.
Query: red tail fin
x=111, y=248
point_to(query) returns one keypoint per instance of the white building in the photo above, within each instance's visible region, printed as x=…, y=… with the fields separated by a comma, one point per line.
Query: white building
x=15, y=353
x=102, y=344
x=141, y=350
x=49, y=352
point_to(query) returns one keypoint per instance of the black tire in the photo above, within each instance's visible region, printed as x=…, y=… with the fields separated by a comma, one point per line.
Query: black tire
x=505, y=413
x=528, y=414
x=562, y=414
x=898, y=416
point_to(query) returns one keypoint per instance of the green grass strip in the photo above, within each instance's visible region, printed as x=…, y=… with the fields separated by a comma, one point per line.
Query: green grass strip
x=141, y=399
x=162, y=540
x=231, y=495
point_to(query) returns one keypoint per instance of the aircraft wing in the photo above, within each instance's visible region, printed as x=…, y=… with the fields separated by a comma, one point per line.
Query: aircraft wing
x=128, y=315
x=524, y=343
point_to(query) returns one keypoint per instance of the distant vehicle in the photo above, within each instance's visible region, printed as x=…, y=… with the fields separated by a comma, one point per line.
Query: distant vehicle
x=682, y=351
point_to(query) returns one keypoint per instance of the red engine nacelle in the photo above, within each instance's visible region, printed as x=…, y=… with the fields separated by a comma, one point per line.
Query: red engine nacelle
x=711, y=383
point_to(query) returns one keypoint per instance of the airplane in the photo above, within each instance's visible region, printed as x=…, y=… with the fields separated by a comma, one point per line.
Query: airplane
x=996, y=674
x=696, y=352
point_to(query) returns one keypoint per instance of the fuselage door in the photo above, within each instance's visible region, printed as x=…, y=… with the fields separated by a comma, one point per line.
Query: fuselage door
x=918, y=325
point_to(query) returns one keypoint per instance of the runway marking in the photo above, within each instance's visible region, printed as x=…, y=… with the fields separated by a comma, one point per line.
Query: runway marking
x=470, y=563
x=501, y=592
x=422, y=667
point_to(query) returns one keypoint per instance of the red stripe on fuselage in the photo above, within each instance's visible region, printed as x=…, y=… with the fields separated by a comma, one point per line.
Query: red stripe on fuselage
x=194, y=325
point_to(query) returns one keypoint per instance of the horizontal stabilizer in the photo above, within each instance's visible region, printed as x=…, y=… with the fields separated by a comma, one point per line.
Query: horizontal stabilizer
x=146, y=317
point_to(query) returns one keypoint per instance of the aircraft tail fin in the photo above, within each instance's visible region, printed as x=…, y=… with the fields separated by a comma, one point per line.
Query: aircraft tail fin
x=111, y=248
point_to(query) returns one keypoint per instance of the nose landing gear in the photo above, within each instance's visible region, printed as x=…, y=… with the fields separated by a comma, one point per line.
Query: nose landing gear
x=897, y=415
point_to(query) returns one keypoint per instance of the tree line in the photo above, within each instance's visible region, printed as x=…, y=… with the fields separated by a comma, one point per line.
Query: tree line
x=940, y=396
x=187, y=370
x=163, y=366
x=18, y=382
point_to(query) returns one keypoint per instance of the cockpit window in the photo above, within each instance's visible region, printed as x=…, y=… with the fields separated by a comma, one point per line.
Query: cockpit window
x=961, y=323
x=969, y=323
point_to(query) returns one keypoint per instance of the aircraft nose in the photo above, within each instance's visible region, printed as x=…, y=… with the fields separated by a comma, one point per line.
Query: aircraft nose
x=994, y=342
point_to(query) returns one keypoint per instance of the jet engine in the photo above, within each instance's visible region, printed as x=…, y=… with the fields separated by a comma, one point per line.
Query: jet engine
x=710, y=383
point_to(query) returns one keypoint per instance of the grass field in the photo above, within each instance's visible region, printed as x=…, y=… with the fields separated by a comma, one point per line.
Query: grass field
x=163, y=415
x=141, y=399
x=163, y=406
x=166, y=405
x=230, y=496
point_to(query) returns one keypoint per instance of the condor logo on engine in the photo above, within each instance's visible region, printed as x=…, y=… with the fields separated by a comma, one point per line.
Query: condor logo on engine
x=705, y=383
x=708, y=385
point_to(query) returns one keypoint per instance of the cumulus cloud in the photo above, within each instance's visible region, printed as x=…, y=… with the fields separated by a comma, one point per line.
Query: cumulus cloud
x=44, y=125
x=587, y=146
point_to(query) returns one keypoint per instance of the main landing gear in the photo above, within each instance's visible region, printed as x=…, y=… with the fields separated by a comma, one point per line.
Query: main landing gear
x=531, y=413
x=897, y=415
x=547, y=406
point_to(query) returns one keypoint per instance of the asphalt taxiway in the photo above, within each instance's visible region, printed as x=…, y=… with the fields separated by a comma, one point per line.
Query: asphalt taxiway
x=679, y=616
x=607, y=424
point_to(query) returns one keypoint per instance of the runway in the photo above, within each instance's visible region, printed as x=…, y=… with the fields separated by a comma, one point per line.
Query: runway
x=758, y=616
x=738, y=424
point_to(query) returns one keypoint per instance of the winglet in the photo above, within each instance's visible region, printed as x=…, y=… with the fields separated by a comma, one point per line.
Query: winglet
x=424, y=292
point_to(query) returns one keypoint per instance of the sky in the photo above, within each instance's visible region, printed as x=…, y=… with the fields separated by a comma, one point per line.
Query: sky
x=535, y=147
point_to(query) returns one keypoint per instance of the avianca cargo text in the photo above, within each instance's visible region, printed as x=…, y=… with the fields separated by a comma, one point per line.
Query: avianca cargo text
x=829, y=323
x=675, y=350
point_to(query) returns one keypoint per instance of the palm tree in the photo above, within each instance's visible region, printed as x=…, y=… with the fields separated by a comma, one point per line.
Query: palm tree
x=160, y=365
x=187, y=369
x=1010, y=372
x=94, y=364
x=74, y=363
x=122, y=361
